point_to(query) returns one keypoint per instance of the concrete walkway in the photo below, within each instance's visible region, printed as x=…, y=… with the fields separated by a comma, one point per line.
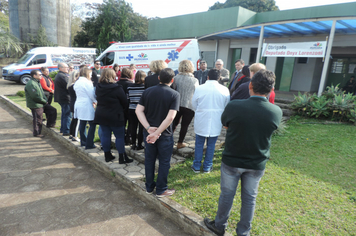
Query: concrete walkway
x=45, y=189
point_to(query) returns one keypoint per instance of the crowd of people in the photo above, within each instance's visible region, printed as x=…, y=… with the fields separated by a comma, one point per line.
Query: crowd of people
x=144, y=111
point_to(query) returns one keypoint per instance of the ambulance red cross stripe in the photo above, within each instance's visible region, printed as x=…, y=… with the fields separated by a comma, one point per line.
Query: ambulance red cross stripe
x=179, y=49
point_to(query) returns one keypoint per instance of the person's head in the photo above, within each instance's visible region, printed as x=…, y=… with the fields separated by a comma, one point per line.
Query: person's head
x=82, y=66
x=213, y=74
x=352, y=78
x=239, y=64
x=63, y=67
x=203, y=65
x=73, y=76
x=140, y=77
x=116, y=67
x=132, y=66
x=85, y=72
x=262, y=82
x=97, y=64
x=186, y=66
x=45, y=71
x=166, y=76
x=126, y=73
x=71, y=67
x=36, y=74
x=246, y=71
x=219, y=64
x=157, y=65
x=256, y=67
x=107, y=76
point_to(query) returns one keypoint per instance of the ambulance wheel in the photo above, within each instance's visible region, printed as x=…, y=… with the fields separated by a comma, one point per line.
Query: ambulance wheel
x=24, y=79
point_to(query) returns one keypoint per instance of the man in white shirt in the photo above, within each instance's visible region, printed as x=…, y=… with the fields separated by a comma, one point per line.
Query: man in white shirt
x=209, y=101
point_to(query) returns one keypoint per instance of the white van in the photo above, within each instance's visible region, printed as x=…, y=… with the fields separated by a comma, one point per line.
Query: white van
x=47, y=57
x=142, y=53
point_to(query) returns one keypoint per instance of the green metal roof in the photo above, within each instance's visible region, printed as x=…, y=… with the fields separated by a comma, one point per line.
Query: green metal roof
x=238, y=22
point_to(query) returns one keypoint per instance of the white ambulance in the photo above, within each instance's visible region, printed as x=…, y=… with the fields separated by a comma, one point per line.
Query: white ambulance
x=49, y=57
x=142, y=53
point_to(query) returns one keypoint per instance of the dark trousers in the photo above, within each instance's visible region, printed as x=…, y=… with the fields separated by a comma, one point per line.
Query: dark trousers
x=187, y=116
x=87, y=138
x=37, y=114
x=51, y=115
x=133, y=123
x=162, y=150
x=73, y=127
x=49, y=97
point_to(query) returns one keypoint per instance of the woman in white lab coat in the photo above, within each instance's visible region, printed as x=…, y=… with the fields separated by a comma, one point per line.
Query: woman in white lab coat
x=84, y=107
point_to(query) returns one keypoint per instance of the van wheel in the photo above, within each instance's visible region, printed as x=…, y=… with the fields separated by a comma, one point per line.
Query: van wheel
x=24, y=79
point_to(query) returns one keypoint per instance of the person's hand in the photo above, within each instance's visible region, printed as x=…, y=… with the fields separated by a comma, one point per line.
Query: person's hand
x=152, y=138
x=151, y=130
x=94, y=105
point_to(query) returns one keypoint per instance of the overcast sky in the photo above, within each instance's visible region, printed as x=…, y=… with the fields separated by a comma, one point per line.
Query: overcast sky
x=166, y=8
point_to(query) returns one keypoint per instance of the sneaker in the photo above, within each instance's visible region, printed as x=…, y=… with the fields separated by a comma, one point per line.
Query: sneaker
x=166, y=193
x=208, y=171
x=194, y=170
x=149, y=192
x=210, y=224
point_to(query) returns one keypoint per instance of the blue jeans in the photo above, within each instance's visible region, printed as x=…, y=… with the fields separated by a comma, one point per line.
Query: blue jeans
x=65, y=118
x=230, y=177
x=209, y=154
x=87, y=138
x=105, y=137
x=162, y=150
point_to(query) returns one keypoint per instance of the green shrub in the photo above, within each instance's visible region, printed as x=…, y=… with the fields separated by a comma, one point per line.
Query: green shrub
x=333, y=104
x=21, y=93
x=53, y=74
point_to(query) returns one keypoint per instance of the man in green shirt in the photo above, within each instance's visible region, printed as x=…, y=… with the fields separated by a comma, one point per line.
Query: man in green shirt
x=250, y=124
x=37, y=102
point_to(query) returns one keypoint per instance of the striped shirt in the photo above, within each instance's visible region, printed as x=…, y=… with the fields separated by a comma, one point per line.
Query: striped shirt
x=134, y=92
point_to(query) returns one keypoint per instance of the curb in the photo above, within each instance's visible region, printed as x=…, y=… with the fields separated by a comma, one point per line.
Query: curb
x=188, y=220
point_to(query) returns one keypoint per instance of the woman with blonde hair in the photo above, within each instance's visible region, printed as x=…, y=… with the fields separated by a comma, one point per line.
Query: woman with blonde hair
x=156, y=67
x=84, y=107
x=73, y=129
x=109, y=115
x=186, y=84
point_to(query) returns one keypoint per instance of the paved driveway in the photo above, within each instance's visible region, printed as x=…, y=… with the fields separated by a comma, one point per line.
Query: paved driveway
x=46, y=190
x=10, y=87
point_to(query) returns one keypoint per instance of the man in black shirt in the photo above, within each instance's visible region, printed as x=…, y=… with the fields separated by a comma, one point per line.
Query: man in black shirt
x=156, y=110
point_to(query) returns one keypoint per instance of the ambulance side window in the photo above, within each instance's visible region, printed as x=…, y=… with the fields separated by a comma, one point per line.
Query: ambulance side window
x=39, y=59
x=108, y=59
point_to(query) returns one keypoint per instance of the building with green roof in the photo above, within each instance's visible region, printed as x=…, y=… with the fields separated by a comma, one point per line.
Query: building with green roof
x=237, y=33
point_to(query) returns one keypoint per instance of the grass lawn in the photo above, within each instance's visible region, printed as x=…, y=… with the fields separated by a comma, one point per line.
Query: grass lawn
x=22, y=102
x=309, y=187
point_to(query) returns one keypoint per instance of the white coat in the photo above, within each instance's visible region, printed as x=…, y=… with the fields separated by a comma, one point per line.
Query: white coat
x=209, y=101
x=83, y=107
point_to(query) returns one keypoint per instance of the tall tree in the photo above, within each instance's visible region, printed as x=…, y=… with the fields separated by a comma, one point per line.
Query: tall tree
x=253, y=5
x=114, y=20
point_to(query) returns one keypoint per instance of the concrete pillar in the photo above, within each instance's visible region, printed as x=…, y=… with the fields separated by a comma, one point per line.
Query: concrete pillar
x=49, y=19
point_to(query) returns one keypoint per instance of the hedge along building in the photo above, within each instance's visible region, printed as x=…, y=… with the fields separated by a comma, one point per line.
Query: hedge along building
x=235, y=33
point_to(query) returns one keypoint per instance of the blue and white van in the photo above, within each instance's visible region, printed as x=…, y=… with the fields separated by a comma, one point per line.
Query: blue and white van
x=47, y=57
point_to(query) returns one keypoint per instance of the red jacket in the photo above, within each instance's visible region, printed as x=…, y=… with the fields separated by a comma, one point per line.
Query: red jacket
x=45, y=86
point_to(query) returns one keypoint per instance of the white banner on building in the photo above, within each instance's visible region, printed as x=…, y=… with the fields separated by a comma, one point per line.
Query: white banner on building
x=306, y=49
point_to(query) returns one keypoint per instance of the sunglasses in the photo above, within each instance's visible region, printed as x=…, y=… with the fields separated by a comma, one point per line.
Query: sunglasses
x=97, y=63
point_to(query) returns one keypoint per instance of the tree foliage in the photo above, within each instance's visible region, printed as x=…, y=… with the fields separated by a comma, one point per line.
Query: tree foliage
x=114, y=20
x=253, y=5
x=4, y=7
